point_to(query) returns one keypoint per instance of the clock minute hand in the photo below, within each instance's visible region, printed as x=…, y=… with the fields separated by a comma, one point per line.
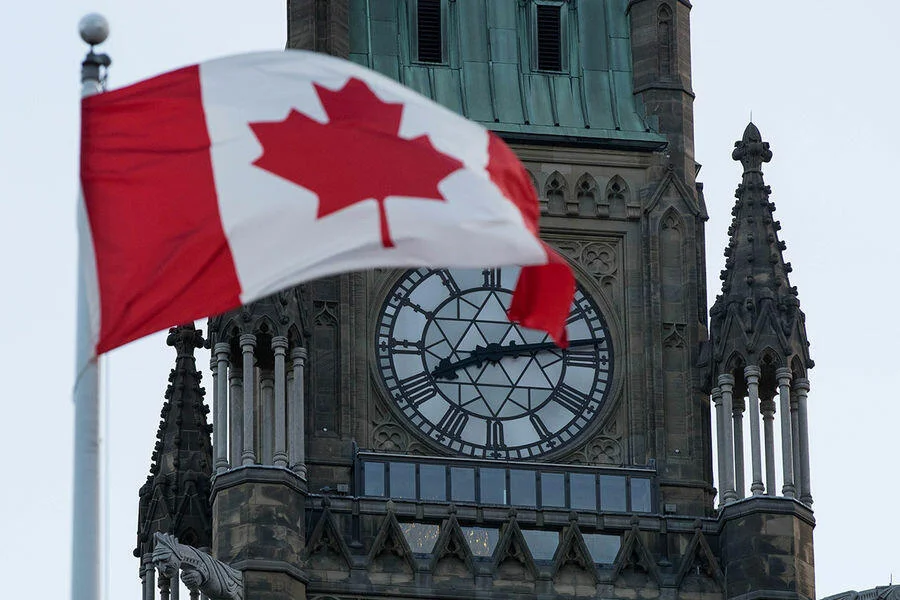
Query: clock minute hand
x=492, y=353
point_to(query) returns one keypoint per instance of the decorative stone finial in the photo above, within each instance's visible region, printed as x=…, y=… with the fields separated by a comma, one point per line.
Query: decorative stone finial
x=751, y=150
x=184, y=339
x=756, y=321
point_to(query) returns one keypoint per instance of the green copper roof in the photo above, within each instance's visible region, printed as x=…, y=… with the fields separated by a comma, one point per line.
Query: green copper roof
x=489, y=70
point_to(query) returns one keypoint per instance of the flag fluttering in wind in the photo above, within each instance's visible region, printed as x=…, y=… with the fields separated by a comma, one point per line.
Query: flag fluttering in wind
x=220, y=183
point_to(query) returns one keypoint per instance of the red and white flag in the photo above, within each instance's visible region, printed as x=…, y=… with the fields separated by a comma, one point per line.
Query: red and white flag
x=221, y=183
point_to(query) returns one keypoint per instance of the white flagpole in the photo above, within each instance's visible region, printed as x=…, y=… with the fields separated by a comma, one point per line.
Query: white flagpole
x=86, y=552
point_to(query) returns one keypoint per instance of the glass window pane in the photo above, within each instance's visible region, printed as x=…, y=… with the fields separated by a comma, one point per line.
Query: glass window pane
x=553, y=489
x=541, y=543
x=420, y=537
x=603, y=548
x=462, y=484
x=640, y=495
x=481, y=540
x=432, y=482
x=403, y=480
x=583, y=491
x=612, y=493
x=522, y=490
x=373, y=478
x=493, y=486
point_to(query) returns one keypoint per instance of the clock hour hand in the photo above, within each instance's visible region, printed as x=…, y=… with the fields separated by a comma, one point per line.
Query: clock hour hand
x=492, y=353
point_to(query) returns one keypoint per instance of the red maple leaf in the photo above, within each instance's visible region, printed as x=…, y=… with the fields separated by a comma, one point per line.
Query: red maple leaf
x=356, y=156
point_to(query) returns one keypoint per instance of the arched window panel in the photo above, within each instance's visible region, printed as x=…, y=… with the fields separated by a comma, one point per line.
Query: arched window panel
x=616, y=197
x=325, y=371
x=555, y=194
x=664, y=39
x=587, y=196
x=798, y=369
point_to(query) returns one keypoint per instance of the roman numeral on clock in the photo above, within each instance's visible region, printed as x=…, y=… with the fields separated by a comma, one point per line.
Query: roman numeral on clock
x=453, y=422
x=491, y=278
x=539, y=426
x=418, y=388
x=494, y=434
x=579, y=359
x=570, y=399
x=448, y=282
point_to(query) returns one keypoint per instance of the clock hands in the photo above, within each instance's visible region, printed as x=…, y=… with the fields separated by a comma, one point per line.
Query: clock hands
x=493, y=352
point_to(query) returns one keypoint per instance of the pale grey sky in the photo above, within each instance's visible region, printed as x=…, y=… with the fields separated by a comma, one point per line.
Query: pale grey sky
x=818, y=76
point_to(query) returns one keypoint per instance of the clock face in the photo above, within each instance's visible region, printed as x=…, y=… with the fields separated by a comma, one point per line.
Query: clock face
x=470, y=380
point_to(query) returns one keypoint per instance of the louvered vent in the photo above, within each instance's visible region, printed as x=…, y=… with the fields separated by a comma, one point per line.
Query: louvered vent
x=429, y=25
x=549, y=37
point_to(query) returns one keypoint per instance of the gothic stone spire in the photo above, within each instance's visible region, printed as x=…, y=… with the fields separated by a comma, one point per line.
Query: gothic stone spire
x=175, y=498
x=756, y=320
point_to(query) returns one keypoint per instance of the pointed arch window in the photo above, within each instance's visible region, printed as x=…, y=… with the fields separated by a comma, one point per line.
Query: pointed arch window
x=664, y=39
x=586, y=190
x=615, y=198
x=429, y=21
x=555, y=192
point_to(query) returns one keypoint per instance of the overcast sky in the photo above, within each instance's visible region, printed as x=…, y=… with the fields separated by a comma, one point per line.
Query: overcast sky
x=820, y=79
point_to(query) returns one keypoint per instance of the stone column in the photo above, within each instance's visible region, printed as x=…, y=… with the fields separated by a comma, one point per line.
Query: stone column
x=248, y=345
x=795, y=439
x=720, y=443
x=236, y=412
x=148, y=578
x=752, y=373
x=783, y=375
x=737, y=415
x=801, y=385
x=768, y=415
x=279, y=347
x=266, y=430
x=296, y=415
x=164, y=587
x=220, y=405
x=726, y=384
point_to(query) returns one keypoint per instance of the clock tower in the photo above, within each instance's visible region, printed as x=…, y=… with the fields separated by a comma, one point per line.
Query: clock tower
x=388, y=433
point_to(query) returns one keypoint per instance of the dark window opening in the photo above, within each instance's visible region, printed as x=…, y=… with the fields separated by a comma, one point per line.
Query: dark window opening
x=549, y=37
x=428, y=20
x=321, y=25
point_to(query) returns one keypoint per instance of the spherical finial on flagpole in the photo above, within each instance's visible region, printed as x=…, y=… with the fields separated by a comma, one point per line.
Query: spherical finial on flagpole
x=94, y=28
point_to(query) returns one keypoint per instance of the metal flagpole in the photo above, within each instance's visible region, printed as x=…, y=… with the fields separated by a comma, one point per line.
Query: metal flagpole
x=86, y=551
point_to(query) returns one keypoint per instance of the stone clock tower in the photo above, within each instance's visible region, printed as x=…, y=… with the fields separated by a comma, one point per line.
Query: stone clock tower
x=389, y=434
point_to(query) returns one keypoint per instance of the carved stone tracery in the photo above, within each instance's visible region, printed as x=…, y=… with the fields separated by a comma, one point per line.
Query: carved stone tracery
x=388, y=436
x=600, y=259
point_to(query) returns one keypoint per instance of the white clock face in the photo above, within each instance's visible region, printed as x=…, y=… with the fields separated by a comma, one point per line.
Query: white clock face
x=470, y=380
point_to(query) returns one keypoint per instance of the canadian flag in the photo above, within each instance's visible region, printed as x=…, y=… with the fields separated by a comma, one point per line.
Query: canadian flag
x=220, y=183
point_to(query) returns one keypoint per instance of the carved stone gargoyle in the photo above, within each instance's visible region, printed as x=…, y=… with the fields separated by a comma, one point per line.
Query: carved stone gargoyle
x=199, y=570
